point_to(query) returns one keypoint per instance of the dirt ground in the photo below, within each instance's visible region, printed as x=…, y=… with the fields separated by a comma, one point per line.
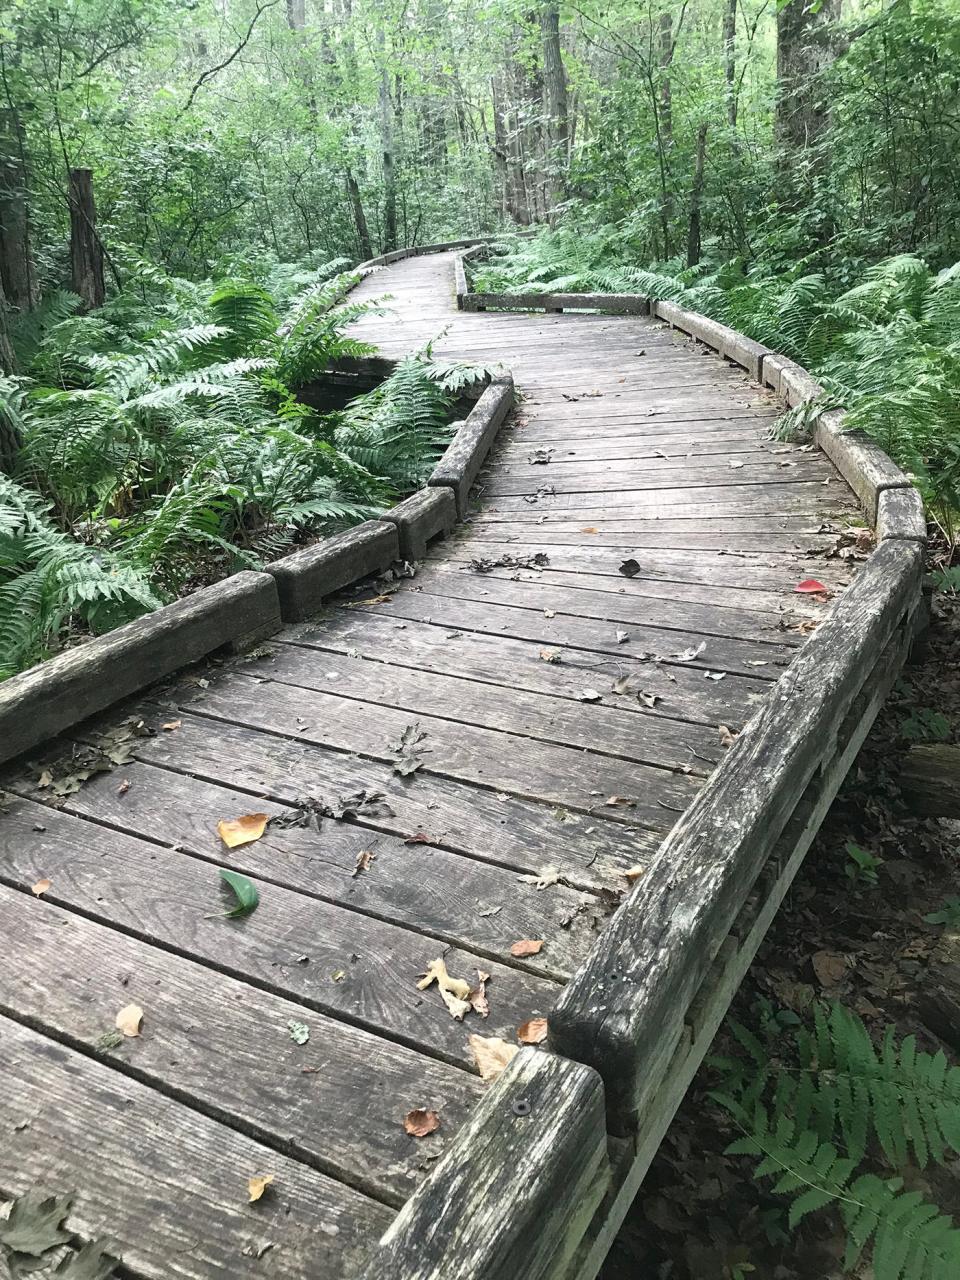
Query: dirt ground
x=700, y=1215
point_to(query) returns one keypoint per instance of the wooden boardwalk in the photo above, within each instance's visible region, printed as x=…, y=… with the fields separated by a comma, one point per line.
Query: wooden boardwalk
x=570, y=713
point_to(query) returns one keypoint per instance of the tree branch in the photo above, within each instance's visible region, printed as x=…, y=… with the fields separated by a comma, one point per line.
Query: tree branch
x=207, y=75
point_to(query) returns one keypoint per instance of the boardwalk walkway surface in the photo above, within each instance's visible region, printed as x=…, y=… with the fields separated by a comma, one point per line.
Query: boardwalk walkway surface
x=570, y=714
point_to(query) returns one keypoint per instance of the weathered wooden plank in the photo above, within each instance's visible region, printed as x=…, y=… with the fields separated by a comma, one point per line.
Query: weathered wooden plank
x=499, y=828
x=601, y=478
x=532, y=1167
x=681, y=692
x=305, y=578
x=166, y=1183
x=458, y=900
x=467, y=452
x=175, y=900
x=750, y=460
x=509, y=763
x=900, y=514
x=630, y=542
x=62, y=691
x=606, y=729
x=623, y=1009
x=833, y=492
x=335, y=1103
x=860, y=460
x=747, y=572
x=578, y=571
x=425, y=515
x=620, y=607
x=719, y=653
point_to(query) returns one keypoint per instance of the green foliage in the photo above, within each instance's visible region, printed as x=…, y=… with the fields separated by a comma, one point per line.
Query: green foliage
x=949, y=914
x=924, y=724
x=163, y=445
x=862, y=866
x=814, y=1126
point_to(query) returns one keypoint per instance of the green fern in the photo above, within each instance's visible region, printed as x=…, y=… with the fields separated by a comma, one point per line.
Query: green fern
x=845, y=1092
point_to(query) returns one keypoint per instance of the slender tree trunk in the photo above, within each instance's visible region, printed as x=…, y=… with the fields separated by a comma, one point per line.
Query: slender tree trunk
x=16, y=267
x=389, y=164
x=8, y=363
x=359, y=217
x=696, y=196
x=666, y=89
x=555, y=97
x=804, y=50
x=86, y=253
x=730, y=59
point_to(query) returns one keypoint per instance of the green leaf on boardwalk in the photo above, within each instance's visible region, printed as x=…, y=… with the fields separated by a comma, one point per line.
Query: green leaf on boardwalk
x=299, y=1032
x=243, y=890
x=91, y=1262
x=35, y=1224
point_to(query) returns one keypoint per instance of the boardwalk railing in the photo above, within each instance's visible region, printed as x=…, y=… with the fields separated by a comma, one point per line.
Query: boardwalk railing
x=644, y=1007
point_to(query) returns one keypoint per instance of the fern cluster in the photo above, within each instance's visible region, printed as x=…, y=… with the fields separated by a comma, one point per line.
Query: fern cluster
x=817, y=1126
x=160, y=443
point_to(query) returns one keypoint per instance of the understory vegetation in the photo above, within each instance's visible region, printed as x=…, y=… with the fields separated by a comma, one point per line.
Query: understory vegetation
x=159, y=443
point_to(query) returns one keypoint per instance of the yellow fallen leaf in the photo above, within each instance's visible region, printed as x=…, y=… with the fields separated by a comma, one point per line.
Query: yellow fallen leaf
x=533, y=1032
x=171, y=725
x=40, y=887
x=634, y=873
x=526, y=947
x=419, y=1123
x=130, y=1019
x=237, y=831
x=257, y=1185
x=437, y=972
x=492, y=1055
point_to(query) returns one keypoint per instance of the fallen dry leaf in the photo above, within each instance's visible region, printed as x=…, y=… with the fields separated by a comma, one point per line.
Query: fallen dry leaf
x=454, y=992
x=589, y=695
x=129, y=1020
x=40, y=887
x=544, y=878
x=634, y=873
x=533, y=1032
x=727, y=736
x=492, y=1055
x=830, y=968
x=620, y=802
x=171, y=725
x=237, y=831
x=589, y=529
x=478, y=994
x=418, y=837
x=364, y=858
x=257, y=1185
x=550, y=655
x=418, y=1123
x=526, y=947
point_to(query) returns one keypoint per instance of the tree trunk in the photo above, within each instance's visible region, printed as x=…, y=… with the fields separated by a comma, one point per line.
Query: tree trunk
x=86, y=252
x=804, y=50
x=364, y=243
x=8, y=363
x=696, y=196
x=930, y=779
x=555, y=96
x=730, y=59
x=389, y=161
x=938, y=1003
x=666, y=92
x=16, y=268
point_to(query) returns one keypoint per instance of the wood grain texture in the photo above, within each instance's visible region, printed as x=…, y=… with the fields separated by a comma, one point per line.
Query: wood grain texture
x=305, y=578
x=458, y=901
x=62, y=691
x=516, y=1191
x=166, y=1183
x=335, y=1103
x=360, y=970
x=425, y=515
x=623, y=1010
